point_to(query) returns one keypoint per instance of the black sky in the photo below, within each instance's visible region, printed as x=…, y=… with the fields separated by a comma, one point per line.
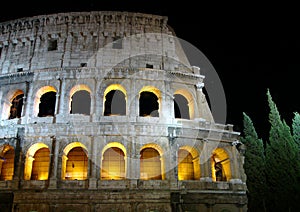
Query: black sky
x=251, y=46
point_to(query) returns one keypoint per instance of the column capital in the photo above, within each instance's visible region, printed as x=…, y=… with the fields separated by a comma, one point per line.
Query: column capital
x=199, y=85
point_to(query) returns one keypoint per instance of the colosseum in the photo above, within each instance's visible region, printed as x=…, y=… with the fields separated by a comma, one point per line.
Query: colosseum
x=102, y=111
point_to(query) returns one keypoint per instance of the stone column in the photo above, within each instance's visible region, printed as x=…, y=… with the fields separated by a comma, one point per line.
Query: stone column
x=234, y=166
x=205, y=165
x=61, y=101
x=25, y=97
x=62, y=167
x=134, y=161
x=98, y=101
x=28, y=167
x=53, y=164
x=173, y=157
x=28, y=106
x=1, y=162
x=132, y=101
x=93, y=165
x=168, y=106
x=202, y=109
x=18, y=161
x=57, y=102
x=93, y=100
x=56, y=107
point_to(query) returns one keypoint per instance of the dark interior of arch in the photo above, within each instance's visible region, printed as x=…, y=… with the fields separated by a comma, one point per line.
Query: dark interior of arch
x=181, y=108
x=16, y=107
x=115, y=103
x=148, y=104
x=47, y=104
x=81, y=103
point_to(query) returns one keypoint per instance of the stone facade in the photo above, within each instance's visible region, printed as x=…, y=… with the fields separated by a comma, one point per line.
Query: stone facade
x=101, y=53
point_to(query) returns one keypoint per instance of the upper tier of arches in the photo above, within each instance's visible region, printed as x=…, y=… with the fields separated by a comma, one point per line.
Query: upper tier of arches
x=114, y=99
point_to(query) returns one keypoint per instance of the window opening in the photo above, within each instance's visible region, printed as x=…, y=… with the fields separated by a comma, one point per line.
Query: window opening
x=148, y=104
x=117, y=43
x=115, y=103
x=47, y=104
x=52, y=44
x=181, y=107
x=16, y=107
x=81, y=103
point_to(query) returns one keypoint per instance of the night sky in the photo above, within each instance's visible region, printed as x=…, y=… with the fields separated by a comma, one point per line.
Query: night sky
x=251, y=46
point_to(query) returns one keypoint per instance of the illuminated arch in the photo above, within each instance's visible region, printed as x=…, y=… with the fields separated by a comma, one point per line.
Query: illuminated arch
x=190, y=101
x=149, y=101
x=8, y=104
x=85, y=102
x=75, y=162
x=113, y=165
x=151, y=162
x=114, y=102
x=220, y=165
x=115, y=87
x=188, y=163
x=7, y=156
x=29, y=162
x=38, y=95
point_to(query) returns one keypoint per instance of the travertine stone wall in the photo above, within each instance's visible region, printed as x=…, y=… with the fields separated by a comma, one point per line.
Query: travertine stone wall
x=150, y=58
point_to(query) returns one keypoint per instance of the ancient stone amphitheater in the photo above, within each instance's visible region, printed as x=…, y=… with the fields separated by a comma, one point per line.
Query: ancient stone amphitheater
x=101, y=111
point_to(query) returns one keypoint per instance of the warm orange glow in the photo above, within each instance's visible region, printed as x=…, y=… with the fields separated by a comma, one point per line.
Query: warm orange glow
x=38, y=96
x=77, y=163
x=115, y=87
x=113, y=164
x=7, y=163
x=74, y=162
x=150, y=164
x=220, y=165
x=40, y=164
x=185, y=165
x=188, y=163
x=30, y=157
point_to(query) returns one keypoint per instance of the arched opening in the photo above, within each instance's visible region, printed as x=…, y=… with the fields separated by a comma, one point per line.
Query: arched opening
x=37, y=162
x=40, y=164
x=184, y=104
x=185, y=165
x=188, y=164
x=12, y=104
x=76, y=164
x=115, y=103
x=113, y=164
x=7, y=163
x=149, y=106
x=181, y=107
x=81, y=102
x=47, y=104
x=16, y=106
x=150, y=164
x=220, y=165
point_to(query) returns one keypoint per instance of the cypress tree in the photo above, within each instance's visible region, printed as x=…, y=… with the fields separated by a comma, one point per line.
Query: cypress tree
x=296, y=136
x=296, y=129
x=282, y=166
x=254, y=166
